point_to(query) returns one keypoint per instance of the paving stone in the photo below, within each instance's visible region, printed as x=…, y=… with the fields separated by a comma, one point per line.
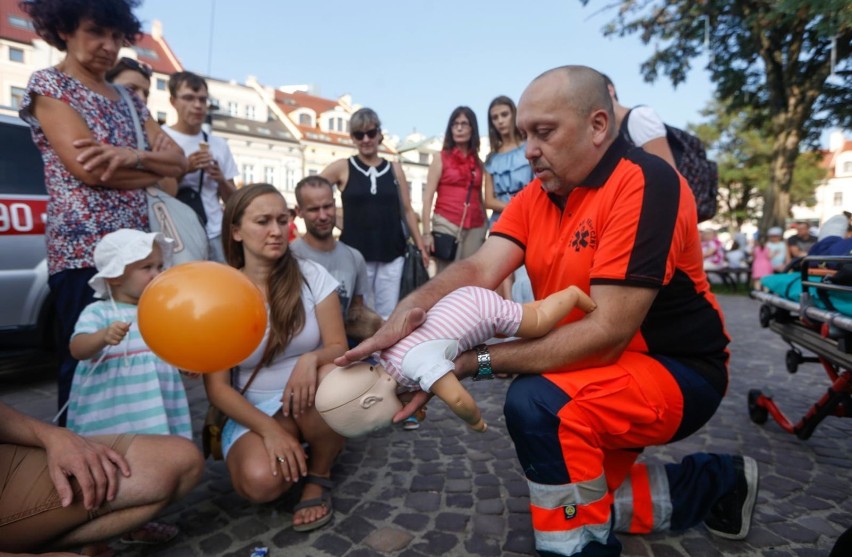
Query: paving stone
x=427, y=483
x=488, y=525
x=490, y=506
x=458, y=486
x=354, y=527
x=437, y=543
x=387, y=540
x=451, y=522
x=423, y=501
x=479, y=545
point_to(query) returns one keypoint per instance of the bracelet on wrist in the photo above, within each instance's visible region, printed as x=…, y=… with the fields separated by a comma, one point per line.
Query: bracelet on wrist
x=483, y=360
x=139, y=165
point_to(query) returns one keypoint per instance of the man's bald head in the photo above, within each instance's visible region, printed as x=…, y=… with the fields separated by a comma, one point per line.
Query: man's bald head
x=582, y=88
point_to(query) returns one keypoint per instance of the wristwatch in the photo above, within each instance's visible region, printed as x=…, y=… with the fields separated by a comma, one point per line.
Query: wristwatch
x=483, y=359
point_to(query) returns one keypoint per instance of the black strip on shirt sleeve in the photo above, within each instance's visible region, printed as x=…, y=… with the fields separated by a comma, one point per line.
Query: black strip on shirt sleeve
x=510, y=238
x=657, y=219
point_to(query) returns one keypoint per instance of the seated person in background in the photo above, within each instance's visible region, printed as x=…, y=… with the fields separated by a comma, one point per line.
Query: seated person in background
x=799, y=244
x=60, y=490
x=736, y=256
x=711, y=248
x=315, y=199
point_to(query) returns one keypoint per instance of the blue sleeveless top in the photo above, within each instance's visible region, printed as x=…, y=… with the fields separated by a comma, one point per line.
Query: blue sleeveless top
x=510, y=172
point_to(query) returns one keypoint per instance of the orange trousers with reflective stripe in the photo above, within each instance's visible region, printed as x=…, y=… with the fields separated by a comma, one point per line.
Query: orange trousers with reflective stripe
x=602, y=417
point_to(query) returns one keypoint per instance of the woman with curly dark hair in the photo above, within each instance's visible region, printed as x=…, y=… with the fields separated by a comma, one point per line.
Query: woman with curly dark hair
x=95, y=167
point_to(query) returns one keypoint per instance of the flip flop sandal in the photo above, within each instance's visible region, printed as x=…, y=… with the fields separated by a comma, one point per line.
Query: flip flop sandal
x=153, y=533
x=322, y=500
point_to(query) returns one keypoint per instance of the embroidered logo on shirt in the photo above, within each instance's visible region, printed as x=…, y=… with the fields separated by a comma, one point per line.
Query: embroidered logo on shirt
x=570, y=511
x=584, y=236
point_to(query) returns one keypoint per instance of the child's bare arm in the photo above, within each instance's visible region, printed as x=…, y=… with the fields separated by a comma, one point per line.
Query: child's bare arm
x=450, y=390
x=541, y=316
x=85, y=345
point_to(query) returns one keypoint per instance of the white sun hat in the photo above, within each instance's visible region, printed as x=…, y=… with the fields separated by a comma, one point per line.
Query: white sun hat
x=118, y=249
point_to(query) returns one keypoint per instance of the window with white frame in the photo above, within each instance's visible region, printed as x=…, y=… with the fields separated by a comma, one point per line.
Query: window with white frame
x=248, y=173
x=305, y=120
x=16, y=54
x=233, y=108
x=289, y=178
x=847, y=168
x=269, y=174
x=250, y=111
x=340, y=125
x=16, y=96
x=162, y=84
x=838, y=199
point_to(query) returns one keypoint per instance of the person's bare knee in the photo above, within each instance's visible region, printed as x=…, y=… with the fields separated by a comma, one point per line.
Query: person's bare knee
x=253, y=480
x=155, y=479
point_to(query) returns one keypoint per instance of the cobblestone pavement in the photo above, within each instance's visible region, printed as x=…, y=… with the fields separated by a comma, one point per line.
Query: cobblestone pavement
x=442, y=490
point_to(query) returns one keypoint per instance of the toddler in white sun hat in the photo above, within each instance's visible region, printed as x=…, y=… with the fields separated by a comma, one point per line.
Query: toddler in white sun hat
x=120, y=386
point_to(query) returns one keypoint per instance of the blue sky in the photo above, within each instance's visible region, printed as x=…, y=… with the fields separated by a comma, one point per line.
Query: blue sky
x=414, y=61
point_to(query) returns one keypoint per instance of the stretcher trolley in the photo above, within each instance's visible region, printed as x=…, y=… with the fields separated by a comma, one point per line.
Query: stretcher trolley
x=811, y=310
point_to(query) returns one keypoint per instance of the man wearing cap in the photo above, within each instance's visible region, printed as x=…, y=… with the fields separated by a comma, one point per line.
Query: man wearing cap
x=648, y=367
x=212, y=168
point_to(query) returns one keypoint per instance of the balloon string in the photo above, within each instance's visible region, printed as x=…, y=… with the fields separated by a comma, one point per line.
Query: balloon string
x=82, y=384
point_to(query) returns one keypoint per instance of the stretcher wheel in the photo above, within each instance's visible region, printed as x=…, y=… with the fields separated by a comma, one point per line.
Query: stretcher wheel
x=756, y=412
x=793, y=359
x=765, y=316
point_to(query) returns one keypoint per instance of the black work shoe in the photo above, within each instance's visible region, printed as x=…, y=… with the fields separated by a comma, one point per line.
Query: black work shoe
x=730, y=516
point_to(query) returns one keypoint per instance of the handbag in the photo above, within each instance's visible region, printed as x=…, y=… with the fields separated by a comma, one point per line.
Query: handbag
x=445, y=244
x=166, y=214
x=214, y=423
x=414, y=273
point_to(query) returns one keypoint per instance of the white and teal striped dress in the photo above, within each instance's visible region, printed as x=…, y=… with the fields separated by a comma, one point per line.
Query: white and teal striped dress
x=132, y=390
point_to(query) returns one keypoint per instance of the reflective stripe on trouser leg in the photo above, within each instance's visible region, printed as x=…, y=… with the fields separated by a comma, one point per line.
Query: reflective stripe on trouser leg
x=642, y=503
x=569, y=511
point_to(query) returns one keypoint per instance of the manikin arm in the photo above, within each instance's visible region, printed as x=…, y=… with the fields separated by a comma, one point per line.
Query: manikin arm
x=450, y=390
x=541, y=316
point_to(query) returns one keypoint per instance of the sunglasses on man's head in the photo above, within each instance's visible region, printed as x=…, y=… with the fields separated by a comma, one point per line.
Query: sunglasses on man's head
x=136, y=65
x=369, y=133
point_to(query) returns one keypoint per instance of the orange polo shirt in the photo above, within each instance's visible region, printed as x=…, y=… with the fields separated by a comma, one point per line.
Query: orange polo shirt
x=632, y=222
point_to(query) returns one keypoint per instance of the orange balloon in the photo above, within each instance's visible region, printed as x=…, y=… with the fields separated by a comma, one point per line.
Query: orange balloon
x=202, y=316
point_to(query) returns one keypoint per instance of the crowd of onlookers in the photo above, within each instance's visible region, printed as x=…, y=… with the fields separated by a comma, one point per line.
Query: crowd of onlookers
x=765, y=254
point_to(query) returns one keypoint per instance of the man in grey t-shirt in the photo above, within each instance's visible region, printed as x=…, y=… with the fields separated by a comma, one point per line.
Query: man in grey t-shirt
x=315, y=199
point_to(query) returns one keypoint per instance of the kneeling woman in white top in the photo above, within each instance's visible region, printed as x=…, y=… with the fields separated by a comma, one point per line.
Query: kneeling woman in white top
x=262, y=441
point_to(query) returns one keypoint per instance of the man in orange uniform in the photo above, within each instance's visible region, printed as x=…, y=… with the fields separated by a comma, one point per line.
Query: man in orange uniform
x=647, y=367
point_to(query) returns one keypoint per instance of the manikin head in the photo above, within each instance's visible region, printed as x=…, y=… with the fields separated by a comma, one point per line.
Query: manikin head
x=357, y=399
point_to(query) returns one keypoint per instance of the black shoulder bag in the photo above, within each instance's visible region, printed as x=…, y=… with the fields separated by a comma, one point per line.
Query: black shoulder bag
x=192, y=196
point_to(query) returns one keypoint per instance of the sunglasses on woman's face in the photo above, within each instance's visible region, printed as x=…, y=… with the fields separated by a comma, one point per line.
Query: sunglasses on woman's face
x=369, y=133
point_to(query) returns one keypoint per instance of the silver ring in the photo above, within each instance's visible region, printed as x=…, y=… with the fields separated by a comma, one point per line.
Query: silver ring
x=279, y=458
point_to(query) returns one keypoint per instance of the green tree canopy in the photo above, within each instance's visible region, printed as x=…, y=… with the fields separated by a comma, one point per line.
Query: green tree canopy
x=744, y=154
x=788, y=62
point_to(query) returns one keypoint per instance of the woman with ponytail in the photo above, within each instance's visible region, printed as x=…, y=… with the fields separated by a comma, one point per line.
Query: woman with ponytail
x=263, y=439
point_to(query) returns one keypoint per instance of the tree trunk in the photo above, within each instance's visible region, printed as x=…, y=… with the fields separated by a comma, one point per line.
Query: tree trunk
x=785, y=150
